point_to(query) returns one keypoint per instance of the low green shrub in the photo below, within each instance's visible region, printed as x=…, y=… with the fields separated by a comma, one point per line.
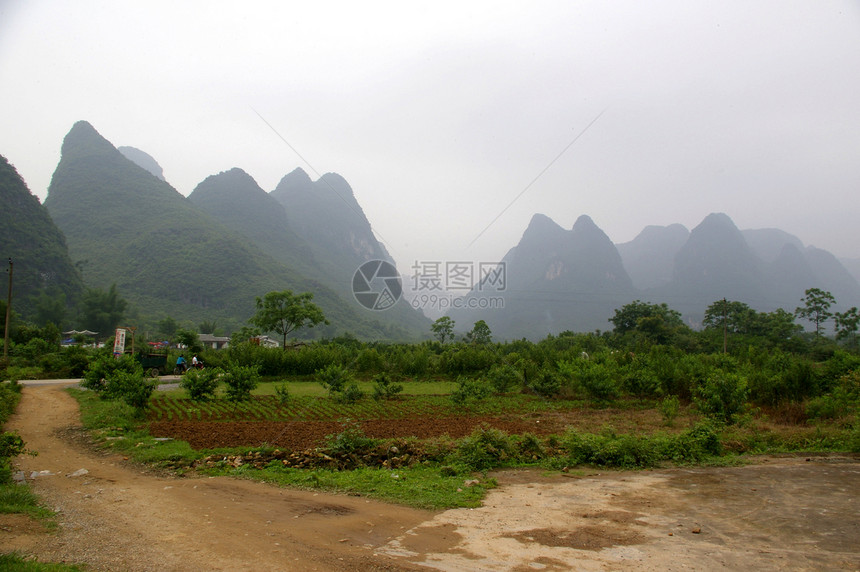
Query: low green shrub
x=608, y=449
x=11, y=445
x=350, y=394
x=133, y=388
x=334, y=378
x=504, y=378
x=630, y=451
x=352, y=440
x=722, y=396
x=240, y=381
x=384, y=388
x=484, y=449
x=546, y=383
x=282, y=392
x=669, y=407
x=470, y=390
x=692, y=446
x=10, y=395
x=119, y=378
x=200, y=383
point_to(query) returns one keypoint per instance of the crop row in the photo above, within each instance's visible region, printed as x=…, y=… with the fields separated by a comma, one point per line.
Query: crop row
x=268, y=408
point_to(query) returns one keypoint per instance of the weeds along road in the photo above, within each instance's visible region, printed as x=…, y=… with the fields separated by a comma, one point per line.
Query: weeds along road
x=791, y=513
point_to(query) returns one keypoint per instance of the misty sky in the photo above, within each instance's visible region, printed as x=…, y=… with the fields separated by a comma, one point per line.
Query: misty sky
x=439, y=114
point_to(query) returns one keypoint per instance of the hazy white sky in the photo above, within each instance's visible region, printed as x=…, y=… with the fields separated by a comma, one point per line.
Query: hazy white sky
x=439, y=114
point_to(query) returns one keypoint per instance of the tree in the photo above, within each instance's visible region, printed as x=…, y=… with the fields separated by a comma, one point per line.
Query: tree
x=656, y=323
x=816, y=307
x=102, y=311
x=285, y=312
x=778, y=326
x=627, y=317
x=189, y=339
x=443, y=329
x=735, y=317
x=480, y=334
x=847, y=323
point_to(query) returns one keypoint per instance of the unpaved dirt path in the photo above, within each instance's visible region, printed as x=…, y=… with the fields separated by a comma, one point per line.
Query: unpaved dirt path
x=781, y=514
x=119, y=519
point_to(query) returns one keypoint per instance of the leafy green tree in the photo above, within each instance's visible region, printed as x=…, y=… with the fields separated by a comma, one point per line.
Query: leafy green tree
x=102, y=311
x=628, y=317
x=657, y=323
x=816, y=307
x=847, y=323
x=189, y=339
x=285, y=312
x=443, y=329
x=736, y=317
x=778, y=326
x=480, y=334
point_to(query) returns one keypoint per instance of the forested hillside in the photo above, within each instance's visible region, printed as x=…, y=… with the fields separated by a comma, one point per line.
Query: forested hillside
x=45, y=283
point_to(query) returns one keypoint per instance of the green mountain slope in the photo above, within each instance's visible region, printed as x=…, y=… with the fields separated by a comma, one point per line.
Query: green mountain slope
x=166, y=256
x=236, y=200
x=36, y=246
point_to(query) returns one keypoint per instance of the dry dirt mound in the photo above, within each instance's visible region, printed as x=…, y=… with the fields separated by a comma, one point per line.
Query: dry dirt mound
x=780, y=514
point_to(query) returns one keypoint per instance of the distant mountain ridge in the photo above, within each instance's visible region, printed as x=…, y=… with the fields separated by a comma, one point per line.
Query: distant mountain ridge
x=650, y=257
x=209, y=255
x=317, y=228
x=574, y=280
x=143, y=160
x=557, y=280
x=167, y=255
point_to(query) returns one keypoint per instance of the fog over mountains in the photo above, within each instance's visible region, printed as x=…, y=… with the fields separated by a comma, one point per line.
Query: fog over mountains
x=111, y=218
x=574, y=279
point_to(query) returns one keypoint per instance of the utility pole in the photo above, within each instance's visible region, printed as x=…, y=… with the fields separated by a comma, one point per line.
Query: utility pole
x=8, y=318
x=725, y=326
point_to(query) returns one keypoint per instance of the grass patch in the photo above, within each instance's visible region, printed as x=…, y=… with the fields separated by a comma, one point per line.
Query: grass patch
x=312, y=388
x=13, y=562
x=19, y=499
x=420, y=486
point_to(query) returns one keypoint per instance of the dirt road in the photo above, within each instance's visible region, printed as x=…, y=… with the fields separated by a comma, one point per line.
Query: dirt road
x=789, y=513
